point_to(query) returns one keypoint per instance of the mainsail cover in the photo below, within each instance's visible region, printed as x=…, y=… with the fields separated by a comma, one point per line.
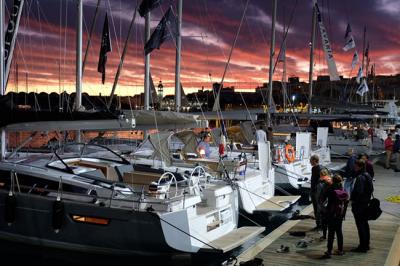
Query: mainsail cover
x=333, y=73
x=160, y=143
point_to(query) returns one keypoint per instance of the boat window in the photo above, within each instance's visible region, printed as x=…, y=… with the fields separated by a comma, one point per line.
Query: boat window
x=36, y=185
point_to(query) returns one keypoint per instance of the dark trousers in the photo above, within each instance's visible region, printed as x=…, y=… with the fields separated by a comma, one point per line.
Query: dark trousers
x=314, y=201
x=324, y=223
x=362, y=227
x=335, y=226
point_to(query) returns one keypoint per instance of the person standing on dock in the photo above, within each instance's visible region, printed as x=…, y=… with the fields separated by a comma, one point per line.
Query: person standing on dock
x=369, y=167
x=335, y=212
x=349, y=170
x=396, y=150
x=315, y=175
x=325, y=182
x=389, y=150
x=360, y=197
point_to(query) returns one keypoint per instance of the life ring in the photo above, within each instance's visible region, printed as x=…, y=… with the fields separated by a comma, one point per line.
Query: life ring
x=289, y=153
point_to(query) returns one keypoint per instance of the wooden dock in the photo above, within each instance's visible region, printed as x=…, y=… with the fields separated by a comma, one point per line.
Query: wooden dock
x=385, y=235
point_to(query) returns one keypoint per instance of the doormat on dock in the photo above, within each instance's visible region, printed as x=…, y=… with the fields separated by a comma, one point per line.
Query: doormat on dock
x=394, y=199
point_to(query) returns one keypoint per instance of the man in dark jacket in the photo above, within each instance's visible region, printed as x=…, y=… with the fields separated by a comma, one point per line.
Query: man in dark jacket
x=315, y=175
x=360, y=197
x=349, y=170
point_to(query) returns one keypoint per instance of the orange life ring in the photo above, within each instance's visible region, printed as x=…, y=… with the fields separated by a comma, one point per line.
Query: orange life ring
x=289, y=153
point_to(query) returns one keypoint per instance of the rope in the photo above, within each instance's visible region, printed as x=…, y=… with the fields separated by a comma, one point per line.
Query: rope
x=229, y=59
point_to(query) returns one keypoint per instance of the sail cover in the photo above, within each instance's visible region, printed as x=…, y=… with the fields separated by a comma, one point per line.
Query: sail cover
x=160, y=143
x=333, y=73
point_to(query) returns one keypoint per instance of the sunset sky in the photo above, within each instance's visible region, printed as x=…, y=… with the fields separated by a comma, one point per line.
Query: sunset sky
x=46, y=41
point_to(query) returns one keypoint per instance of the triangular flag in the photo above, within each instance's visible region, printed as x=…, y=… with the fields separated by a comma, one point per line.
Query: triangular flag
x=104, y=49
x=147, y=5
x=349, y=40
x=363, y=88
x=167, y=28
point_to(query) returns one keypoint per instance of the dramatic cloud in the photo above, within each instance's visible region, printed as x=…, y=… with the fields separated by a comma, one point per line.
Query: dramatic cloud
x=46, y=43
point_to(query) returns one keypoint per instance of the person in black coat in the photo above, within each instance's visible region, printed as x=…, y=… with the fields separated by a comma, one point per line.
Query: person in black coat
x=360, y=197
x=315, y=175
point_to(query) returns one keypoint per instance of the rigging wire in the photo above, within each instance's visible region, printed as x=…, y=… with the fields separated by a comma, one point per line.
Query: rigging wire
x=113, y=25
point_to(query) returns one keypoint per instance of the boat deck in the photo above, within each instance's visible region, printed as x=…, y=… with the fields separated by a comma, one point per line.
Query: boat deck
x=385, y=235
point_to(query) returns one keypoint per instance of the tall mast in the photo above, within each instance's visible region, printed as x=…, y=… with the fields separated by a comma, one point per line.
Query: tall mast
x=271, y=59
x=364, y=40
x=2, y=81
x=178, y=96
x=78, y=96
x=312, y=48
x=147, y=63
x=96, y=12
x=284, y=78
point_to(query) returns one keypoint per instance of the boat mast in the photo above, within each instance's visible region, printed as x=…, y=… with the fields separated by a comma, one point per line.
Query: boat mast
x=271, y=60
x=78, y=96
x=312, y=48
x=178, y=96
x=96, y=12
x=147, y=63
x=2, y=83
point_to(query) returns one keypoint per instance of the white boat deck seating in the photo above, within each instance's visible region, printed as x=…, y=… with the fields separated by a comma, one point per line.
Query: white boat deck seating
x=277, y=203
x=233, y=239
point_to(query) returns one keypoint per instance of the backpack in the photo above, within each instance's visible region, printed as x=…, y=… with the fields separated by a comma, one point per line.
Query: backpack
x=340, y=204
x=374, y=209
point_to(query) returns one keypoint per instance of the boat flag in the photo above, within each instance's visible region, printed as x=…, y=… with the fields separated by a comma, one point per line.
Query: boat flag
x=363, y=88
x=167, y=28
x=359, y=75
x=349, y=40
x=104, y=49
x=355, y=60
x=333, y=73
x=147, y=5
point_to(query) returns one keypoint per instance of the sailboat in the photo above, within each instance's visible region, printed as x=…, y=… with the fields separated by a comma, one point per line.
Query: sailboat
x=81, y=202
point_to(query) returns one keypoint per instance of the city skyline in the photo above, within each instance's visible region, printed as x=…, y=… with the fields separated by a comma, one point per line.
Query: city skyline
x=46, y=41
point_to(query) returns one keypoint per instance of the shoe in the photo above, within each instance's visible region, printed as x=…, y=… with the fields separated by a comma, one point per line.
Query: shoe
x=359, y=249
x=301, y=244
x=327, y=255
x=283, y=249
x=339, y=252
x=322, y=238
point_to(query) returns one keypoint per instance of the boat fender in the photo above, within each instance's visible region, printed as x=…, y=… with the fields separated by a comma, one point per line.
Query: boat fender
x=58, y=215
x=290, y=153
x=10, y=207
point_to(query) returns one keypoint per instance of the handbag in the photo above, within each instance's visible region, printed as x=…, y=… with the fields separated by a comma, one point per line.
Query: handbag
x=374, y=209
